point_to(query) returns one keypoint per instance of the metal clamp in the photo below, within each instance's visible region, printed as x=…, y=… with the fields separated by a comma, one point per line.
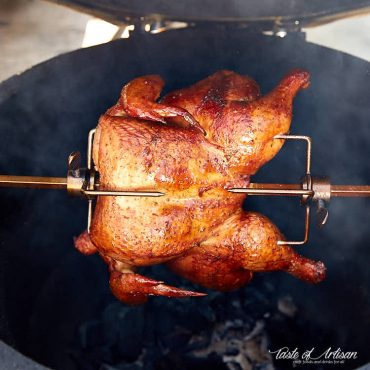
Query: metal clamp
x=306, y=185
x=85, y=181
x=312, y=188
x=317, y=189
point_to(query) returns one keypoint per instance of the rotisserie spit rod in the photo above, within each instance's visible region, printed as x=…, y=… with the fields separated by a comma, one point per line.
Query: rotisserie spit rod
x=298, y=190
x=37, y=182
x=253, y=189
x=79, y=181
x=85, y=182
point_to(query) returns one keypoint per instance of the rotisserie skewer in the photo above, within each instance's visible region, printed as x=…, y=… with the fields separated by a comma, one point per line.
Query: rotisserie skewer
x=44, y=182
x=84, y=182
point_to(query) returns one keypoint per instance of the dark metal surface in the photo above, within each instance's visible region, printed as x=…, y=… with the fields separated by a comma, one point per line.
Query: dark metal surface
x=220, y=10
x=47, y=289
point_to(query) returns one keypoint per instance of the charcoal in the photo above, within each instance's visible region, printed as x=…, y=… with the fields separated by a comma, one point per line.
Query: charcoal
x=222, y=331
x=91, y=334
x=130, y=328
x=235, y=366
x=286, y=306
x=110, y=315
x=92, y=358
x=209, y=362
x=122, y=366
x=199, y=341
x=134, y=366
x=177, y=339
x=108, y=367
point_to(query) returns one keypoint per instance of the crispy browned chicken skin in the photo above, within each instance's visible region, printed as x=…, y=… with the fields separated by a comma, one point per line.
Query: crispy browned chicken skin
x=193, y=145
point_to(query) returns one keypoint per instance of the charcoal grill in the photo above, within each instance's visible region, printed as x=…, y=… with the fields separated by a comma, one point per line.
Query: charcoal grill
x=48, y=291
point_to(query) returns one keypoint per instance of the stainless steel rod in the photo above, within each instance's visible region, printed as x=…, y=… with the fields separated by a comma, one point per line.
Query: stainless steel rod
x=37, y=182
x=350, y=191
x=117, y=193
x=276, y=192
x=296, y=190
x=273, y=189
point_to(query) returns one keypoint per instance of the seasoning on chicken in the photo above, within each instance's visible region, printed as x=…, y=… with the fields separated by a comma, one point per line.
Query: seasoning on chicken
x=193, y=144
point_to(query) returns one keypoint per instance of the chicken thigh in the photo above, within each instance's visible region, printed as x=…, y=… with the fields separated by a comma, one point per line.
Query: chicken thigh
x=193, y=145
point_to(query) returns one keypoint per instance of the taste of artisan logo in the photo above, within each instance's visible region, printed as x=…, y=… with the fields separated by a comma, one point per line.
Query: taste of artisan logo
x=313, y=356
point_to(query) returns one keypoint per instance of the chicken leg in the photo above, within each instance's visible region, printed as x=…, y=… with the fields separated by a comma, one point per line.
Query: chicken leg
x=245, y=243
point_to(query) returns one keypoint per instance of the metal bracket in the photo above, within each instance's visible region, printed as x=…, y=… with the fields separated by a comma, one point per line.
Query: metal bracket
x=306, y=185
x=90, y=186
x=84, y=182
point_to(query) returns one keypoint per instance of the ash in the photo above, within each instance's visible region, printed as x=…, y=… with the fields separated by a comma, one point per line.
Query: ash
x=221, y=331
x=238, y=347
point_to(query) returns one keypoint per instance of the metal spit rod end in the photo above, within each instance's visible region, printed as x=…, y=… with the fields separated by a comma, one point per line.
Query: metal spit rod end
x=124, y=193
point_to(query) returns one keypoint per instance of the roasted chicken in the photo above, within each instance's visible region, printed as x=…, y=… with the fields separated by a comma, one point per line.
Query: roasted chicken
x=193, y=145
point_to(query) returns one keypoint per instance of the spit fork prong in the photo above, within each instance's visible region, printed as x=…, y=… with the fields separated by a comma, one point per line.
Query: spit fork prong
x=311, y=188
